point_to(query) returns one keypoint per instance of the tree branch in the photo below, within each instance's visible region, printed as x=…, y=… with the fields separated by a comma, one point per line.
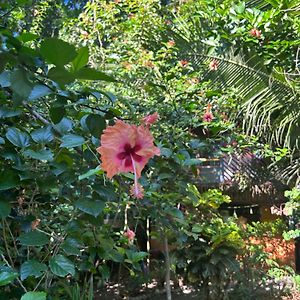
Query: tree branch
x=36, y=114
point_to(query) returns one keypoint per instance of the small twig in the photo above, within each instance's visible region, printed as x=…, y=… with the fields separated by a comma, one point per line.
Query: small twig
x=36, y=114
x=53, y=235
x=95, y=29
x=168, y=275
x=8, y=12
x=31, y=201
x=6, y=244
x=97, y=158
x=19, y=281
x=12, y=237
x=38, y=284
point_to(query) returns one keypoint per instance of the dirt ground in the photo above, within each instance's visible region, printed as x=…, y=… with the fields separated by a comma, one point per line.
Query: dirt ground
x=150, y=296
x=115, y=293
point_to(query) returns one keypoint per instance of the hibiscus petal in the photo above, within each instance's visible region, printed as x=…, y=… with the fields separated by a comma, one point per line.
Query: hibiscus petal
x=137, y=157
x=110, y=162
x=123, y=142
x=128, y=162
x=121, y=155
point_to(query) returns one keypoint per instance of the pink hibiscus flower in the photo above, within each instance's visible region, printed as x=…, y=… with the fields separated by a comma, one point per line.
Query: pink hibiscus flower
x=129, y=234
x=255, y=32
x=183, y=63
x=126, y=148
x=208, y=117
x=137, y=191
x=150, y=119
x=171, y=43
x=213, y=65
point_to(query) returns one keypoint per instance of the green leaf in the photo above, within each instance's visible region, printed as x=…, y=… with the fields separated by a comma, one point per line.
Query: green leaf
x=90, y=207
x=57, y=114
x=136, y=256
x=57, y=52
x=34, y=296
x=90, y=173
x=33, y=238
x=17, y=137
x=240, y=8
x=81, y=59
x=92, y=74
x=5, y=58
x=115, y=255
x=95, y=124
x=197, y=228
x=175, y=212
x=61, y=76
x=61, y=266
x=8, y=180
x=166, y=152
x=128, y=175
x=20, y=83
x=105, y=192
x=39, y=91
x=22, y=2
x=70, y=246
x=165, y=176
x=32, y=268
x=71, y=140
x=64, y=126
x=5, y=209
x=7, y=275
x=8, y=113
x=43, y=135
x=27, y=37
x=192, y=162
x=44, y=154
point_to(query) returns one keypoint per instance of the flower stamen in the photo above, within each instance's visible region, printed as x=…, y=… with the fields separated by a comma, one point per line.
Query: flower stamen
x=136, y=188
x=140, y=194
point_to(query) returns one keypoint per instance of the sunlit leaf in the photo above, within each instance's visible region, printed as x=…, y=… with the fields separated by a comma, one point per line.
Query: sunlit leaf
x=57, y=51
x=92, y=74
x=81, y=59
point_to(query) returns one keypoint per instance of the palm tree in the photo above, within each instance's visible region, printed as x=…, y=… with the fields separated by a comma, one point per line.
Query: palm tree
x=270, y=106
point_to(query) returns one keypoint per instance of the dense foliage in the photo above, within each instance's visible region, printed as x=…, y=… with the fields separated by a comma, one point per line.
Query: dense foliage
x=68, y=70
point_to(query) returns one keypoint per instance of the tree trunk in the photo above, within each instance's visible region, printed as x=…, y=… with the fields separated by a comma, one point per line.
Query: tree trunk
x=168, y=267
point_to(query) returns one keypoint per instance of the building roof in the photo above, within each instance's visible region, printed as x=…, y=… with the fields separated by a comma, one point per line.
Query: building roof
x=244, y=177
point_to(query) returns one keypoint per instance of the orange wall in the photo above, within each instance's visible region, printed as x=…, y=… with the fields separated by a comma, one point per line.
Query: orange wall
x=279, y=249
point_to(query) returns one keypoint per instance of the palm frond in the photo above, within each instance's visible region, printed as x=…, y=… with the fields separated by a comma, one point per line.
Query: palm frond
x=270, y=107
x=270, y=103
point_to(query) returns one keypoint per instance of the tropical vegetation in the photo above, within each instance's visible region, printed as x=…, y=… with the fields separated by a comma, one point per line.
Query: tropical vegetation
x=109, y=110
